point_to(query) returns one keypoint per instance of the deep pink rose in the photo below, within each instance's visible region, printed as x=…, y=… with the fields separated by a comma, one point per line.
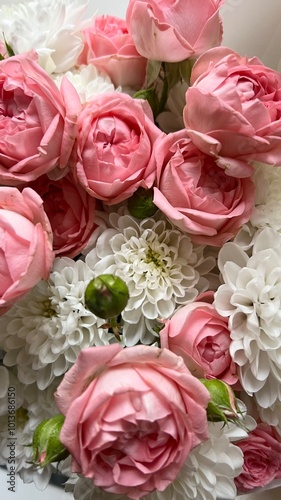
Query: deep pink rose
x=197, y=195
x=201, y=336
x=174, y=30
x=233, y=110
x=37, y=122
x=71, y=211
x=132, y=417
x=262, y=458
x=114, y=147
x=110, y=48
x=26, y=254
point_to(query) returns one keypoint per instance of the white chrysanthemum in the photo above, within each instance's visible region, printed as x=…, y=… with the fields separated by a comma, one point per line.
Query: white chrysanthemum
x=207, y=474
x=50, y=27
x=32, y=406
x=156, y=261
x=267, y=209
x=88, y=82
x=251, y=297
x=272, y=415
x=43, y=333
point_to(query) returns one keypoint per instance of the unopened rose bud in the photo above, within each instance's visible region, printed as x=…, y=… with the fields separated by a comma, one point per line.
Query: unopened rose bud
x=222, y=406
x=46, y=444
x=106, y=296
x=141, y=205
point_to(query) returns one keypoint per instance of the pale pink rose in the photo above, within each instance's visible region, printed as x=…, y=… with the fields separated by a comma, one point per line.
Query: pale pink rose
x=174, y=30
x=38, y=122
x=110, y=48
x=262, y=458
x=71, y=212
x=197, y=195
x=233, y=110
x=116, y=134
x=132, y=417
x=26, y=254
x=201, y=336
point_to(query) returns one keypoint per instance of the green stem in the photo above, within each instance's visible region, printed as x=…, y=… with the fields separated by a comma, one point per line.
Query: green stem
x=115, y=327
x=164, y=94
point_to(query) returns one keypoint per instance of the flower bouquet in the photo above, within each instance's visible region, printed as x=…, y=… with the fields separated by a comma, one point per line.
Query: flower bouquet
x=140, y=291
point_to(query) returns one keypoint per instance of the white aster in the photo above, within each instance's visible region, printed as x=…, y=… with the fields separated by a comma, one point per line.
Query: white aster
x=208, y=474
x=43, y=333
x=156, y=261
x=88, y=82
x=251, y=298
x=51, y=27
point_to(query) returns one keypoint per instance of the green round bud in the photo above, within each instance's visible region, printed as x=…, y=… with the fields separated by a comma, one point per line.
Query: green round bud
x=47, y=447
x=106, y=296
x=141, y=205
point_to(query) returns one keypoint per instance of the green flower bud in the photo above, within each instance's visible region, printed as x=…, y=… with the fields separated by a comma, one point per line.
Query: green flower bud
x=141, y=205
x=106, y=296
x=222, y=406
x=46, y=444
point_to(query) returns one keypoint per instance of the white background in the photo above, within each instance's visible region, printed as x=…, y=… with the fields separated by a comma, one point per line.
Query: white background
x=251, y=27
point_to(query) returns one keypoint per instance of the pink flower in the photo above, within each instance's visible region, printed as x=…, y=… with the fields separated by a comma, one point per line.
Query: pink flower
x=38, y=122
x=233, y=110
x=26, y=254
x=197, y=195
x=262, y=458
x=132, y=417
x=114, y=147
x=174, y=30
x=71, y=211
x=201, y=336
x=110, y=48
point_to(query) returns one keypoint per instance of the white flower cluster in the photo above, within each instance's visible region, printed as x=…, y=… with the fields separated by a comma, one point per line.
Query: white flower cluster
x=87, y=80
x=251, y=298
x=43, y=333
x=158, y=264
x=32, y=406
x=267, y=209
x=51, y=27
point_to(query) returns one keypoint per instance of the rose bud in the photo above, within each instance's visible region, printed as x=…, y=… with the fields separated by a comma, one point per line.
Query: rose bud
x=106, y=296
x=46, y=444
x=222, y=405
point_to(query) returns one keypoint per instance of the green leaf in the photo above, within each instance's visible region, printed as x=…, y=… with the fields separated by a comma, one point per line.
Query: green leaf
x=152, y=72
x=185, y=68
x=8, y=47
x=150, y=95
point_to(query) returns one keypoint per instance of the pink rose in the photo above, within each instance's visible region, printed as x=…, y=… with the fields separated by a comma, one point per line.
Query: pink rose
x=110, y=48
x=240, y=102
x=71, y=211
x=201, y=336
x=197, y=195
x=38, y=122
x=26, y=254
x=114, y=147
x=174, y=30
x=262, y=458
x=132, y=417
